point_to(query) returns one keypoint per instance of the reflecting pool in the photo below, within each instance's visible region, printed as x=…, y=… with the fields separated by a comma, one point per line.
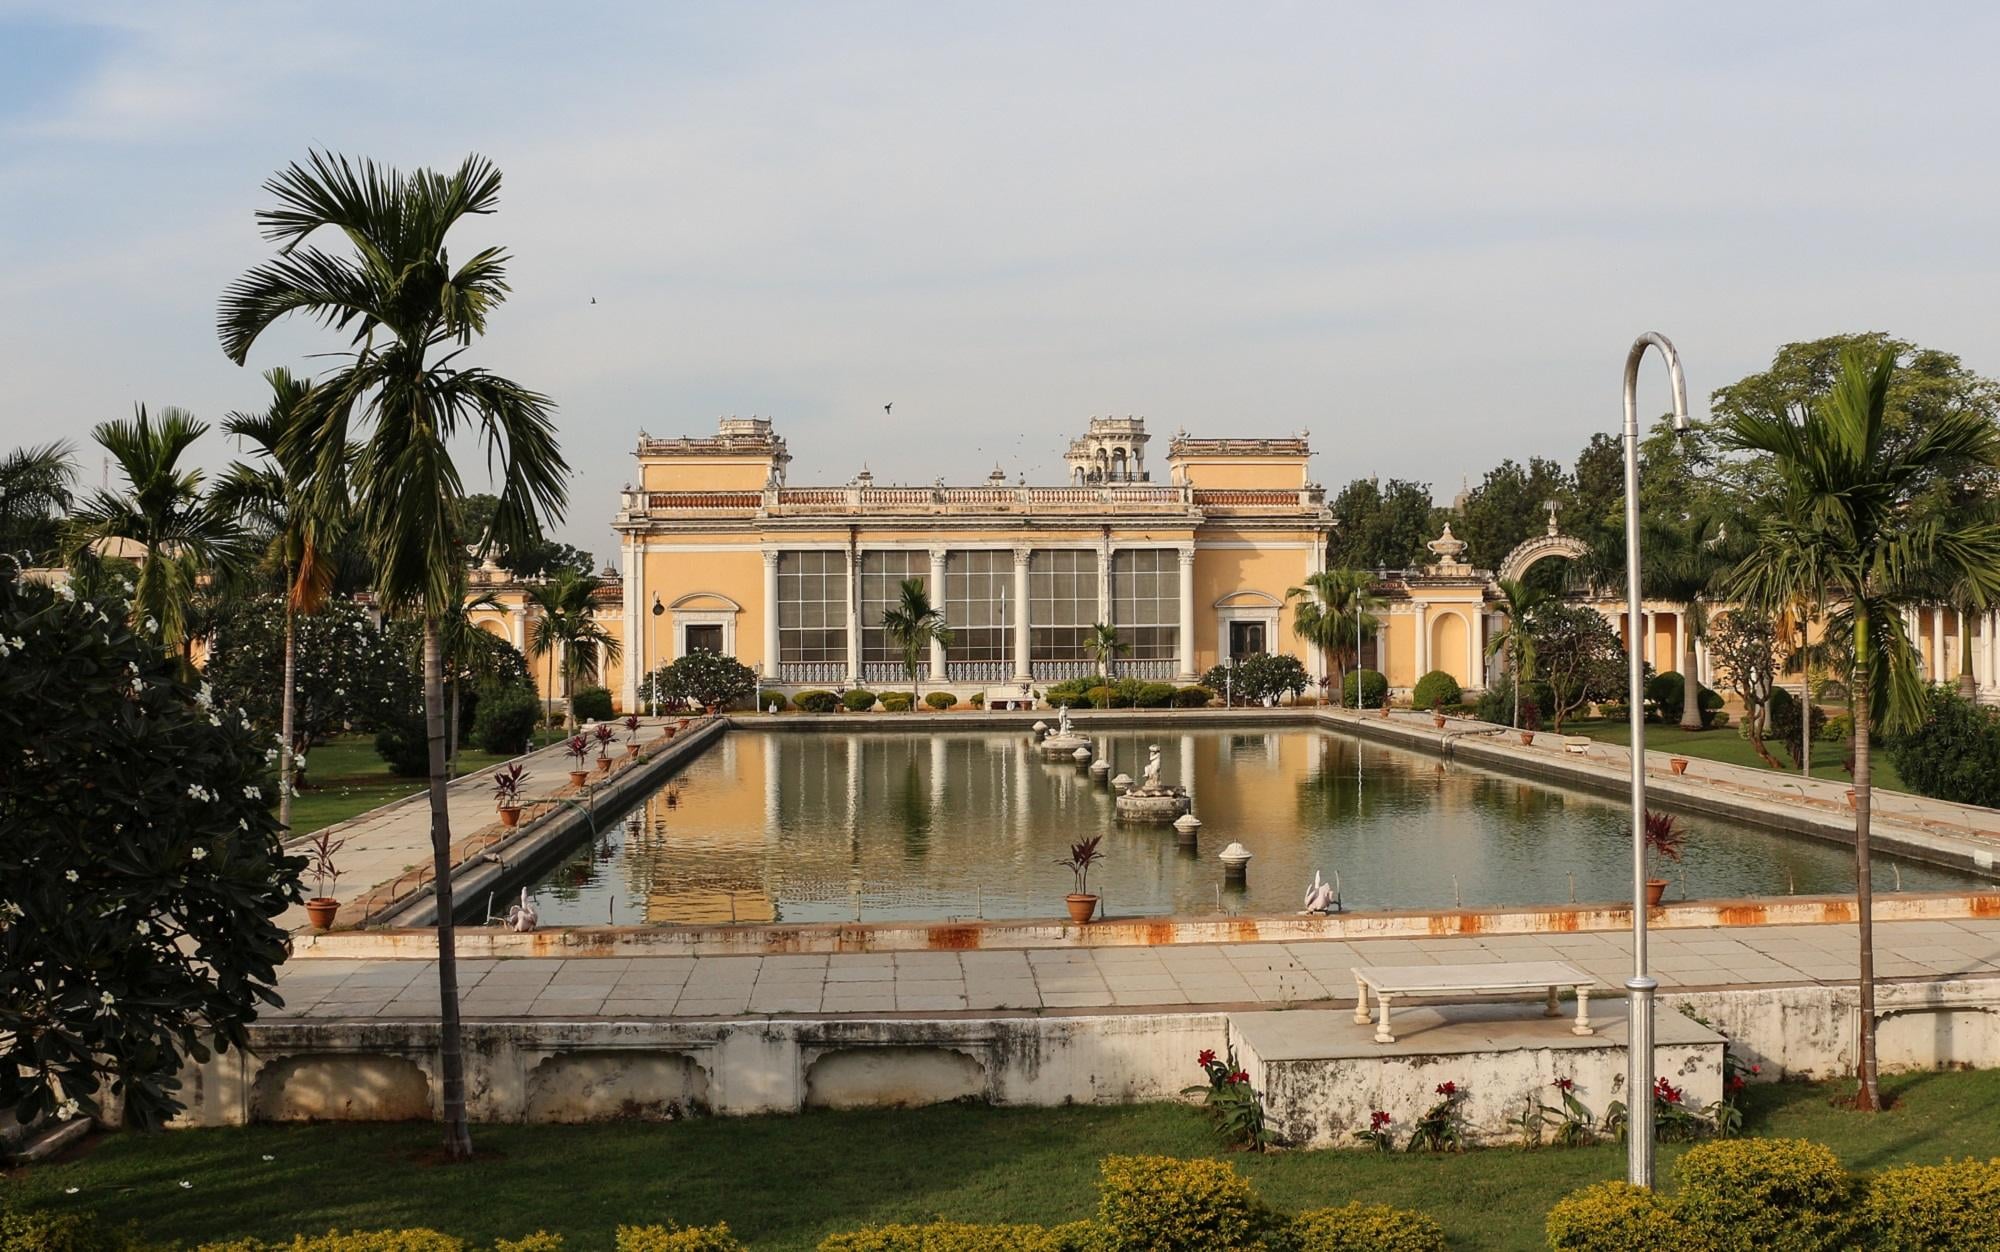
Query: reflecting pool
x=808, y=827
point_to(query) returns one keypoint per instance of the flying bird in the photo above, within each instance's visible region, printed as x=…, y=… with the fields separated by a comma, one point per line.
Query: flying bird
x=593, y=299
x=887, y=407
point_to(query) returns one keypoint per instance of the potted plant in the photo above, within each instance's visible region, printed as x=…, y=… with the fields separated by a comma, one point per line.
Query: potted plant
x=1679, y=764
x=579, y=747
x=604, y=735
x=632, y=735
x=320, y=910
x=1081, y=857
x=1437, y=712
x=1664, y=838
x=1531, y=721
x=507, y=782
x=1385, y=698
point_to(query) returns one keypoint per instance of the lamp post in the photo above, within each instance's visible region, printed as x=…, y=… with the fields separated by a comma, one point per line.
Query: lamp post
x=1640, y=986
x=659, y=610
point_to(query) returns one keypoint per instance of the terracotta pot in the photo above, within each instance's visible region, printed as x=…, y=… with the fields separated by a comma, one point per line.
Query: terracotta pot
x=1385, y=708
x=1527, y=738
x=1437, y=720
x=1679, y=764
x=666, y=732
x=1080, y=907
x=682, y=724
x=1850, y=797
x=603, y=764
x=711, y=710
x=1655, y=888
x=631, y=749
x=320, y=911
x=579, y=777
x=510, y=815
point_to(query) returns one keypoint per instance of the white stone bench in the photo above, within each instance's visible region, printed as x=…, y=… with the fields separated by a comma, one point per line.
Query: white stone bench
x=1009, y=698
x=1578, y=744
x=1388, y=981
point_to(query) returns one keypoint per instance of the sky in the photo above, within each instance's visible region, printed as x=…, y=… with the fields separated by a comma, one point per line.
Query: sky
x=1425, y=233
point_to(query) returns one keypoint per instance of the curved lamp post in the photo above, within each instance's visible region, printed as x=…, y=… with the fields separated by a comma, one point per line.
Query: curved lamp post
x=1641, y=985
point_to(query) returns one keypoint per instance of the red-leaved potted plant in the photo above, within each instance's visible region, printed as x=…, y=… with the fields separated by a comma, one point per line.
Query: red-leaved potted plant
x=1531, y=721
x=507, y=782
x=579, y=748
x=1081, y=857
x=604, y=735
x=321, y=909
x=1665, y=838
x=1437, y=712
x=632, y=735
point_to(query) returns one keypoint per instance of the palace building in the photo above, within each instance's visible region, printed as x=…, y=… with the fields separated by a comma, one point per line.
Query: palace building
x=718, y=551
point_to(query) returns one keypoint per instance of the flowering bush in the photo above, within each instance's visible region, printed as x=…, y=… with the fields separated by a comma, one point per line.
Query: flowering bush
x=1230, y=1099
x=1438, y=1130
x=1158, y=1204
x=1378, y=1134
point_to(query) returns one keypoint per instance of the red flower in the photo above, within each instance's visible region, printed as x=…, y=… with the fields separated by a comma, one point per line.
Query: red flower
x=1736, y=1082
x=1566, y=1084
x=1206, y=1059
x=1239, y=1076
x=1447, y=1088
x=1377, y=1120
x=1666, y=1091
x=1756, y=1069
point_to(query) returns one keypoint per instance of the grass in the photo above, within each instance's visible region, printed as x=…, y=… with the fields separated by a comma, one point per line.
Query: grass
x=347, y=778
x=1725, y=745
x=786, y=1182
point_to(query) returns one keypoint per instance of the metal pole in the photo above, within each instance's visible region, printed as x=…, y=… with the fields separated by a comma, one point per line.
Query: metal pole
x=1641, y=986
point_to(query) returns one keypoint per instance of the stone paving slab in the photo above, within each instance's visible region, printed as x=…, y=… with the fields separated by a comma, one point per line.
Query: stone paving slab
x=1032, y=980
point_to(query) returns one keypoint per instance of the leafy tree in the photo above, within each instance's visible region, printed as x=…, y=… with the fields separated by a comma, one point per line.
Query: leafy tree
x=1335, y=613
x=1953, y=752
x=1847, y=532
x=1509, y=505
x=1380, y=525
x=161, y=509
x=302, y=529
x=1105, y=647
x=1258, y=675
x=410, y=316
x=346, y=675
x=34, y=495
x=140, y=867
x=566, y=625
x=913, y=623
x=1743, y=647
x=705, y=678
x=1515, y=640
x=1684, y=558
x=1577, y=656
x=535, y=557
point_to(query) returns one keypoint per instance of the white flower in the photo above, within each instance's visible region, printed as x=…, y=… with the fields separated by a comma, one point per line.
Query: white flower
x=72, y=875
x=107, y=999
x=144, y=927
x=206, y=696
x=252, y=793
x=213, y=720
x=71, y=1190
x=4, y=649
x=199, y=854
x=13, y=910
x=186, y=1185
x=270, y=755
x=152, y=624
x=66, y=591
x=243, y=823
x=67, y=1110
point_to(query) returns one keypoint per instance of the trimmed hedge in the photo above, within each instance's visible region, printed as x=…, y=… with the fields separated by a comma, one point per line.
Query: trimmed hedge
x=1615, y=1217
x=1108, y=698
x=858, y=700
x=505, y=720
x=714, y=1238
x=1154, y=695
x=1193, y=698
x=1668, y=692
x=1359, y=1227
x=897, y=701
x=941, y=700
x=1434, y=688
x=1158, y=1204
x=1372, y=686
x=816, y=701
x=769, y=698
x=1921, y=1208
x=592, y=704
x=942, y=1237
x=978, y=700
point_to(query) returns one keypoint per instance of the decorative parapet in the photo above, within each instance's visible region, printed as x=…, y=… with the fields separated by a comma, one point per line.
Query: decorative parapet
x=860, y=499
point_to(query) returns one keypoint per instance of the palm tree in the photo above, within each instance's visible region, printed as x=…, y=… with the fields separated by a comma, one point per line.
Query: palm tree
x=914, y=624
x=455, y=632
x=34, y=496
x=1335, y=614
x=1105, y=647
x=1685, y=556
x=409, y=316
x=1846, y=533
x=301, y=537
x=1518, y=602
x=182, y=535
x=565, y=626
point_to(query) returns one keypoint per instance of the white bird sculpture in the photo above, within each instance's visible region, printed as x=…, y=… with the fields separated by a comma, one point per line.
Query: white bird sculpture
x=1319, y=897
x=522, y=917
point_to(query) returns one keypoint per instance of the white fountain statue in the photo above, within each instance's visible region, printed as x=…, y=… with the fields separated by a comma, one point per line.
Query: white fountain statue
x=1319, y=896
x=1152, y=781
x=1152, y=800
x=522, y=917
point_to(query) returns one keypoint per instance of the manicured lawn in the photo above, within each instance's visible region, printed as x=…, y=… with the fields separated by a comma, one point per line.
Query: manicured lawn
x=1725, y=745
x=346, y=778
x=784, y=1182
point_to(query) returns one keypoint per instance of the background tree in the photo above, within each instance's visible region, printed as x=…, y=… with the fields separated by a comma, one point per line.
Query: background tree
x=180, y=534
x=1744, y=649
x=1514, y=640
x=1380, y=525
x=1847, y=530
x=566, y=627
x=1509, y=505
x=534, y=557
x=1333, y=612
x=140, y=866
x=1687, y=552
x=704, y=679
x=1105, y=647
x=913, y=624
x=1577, y=655
x=409, y=316
x=348, y=674
x=35, y=494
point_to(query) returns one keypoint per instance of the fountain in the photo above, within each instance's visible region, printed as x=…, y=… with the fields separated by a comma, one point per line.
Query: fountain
x=1062, y=741
x=1152, y=800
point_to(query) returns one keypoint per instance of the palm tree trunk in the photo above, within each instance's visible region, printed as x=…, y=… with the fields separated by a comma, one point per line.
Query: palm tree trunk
x=1868, y=1098
x=1690, y=685
x=1968, y=686
x=451, y=1056
x=451, y=730
x=285, y=713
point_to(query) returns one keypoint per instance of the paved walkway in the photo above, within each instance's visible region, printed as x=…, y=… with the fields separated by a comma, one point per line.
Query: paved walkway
x=1117, y=979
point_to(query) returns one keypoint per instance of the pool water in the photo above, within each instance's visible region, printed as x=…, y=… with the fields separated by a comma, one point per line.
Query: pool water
x=817, y=827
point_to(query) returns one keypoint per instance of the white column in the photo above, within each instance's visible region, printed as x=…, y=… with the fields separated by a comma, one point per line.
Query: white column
x=1475, y=647
x=937, y=602
x=635, y=655
x=1936, y=671
x=770, y=665
x=1421, y=612
x=517, y=622
x=1647, y=625
x=853, y=617
x=1680, y=639
x=1184, y=645
x=1104, y=582
x=1022, y=672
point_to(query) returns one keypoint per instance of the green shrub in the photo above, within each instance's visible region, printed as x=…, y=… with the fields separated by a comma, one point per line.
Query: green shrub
x=1193, y=698
x=1615, y=1217
x=1108, y=697
x=1763, y=1195
x=1614, y=712
x=1718, y=719
x=414, y=1239
x=672, y=1238
x=897, y=701
x=977, y=700
x=1154, y=695
x=1918, y=1208
x=405, y=745
x=942, y=1237
x=1784, y=722
x=1158, y=1204
x=1372, y=685
x=1668, y=692
x=505, y=720
x=1073, y=692
x=592, y=704
x=1083, y=1236
x=941, y=700
x=766, y=700
x=858, y=700
x=702, y=679
x=1953, y=753
x=59, y=1232
x=1839, y=728
x=1359, y=1227
x=1436, y=687
x=540, y=1241
x=816, y=701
